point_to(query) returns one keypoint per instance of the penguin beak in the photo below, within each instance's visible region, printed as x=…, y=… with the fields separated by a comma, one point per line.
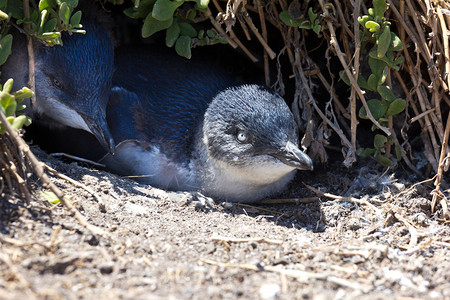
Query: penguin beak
x=292, y=156
x=99, y=128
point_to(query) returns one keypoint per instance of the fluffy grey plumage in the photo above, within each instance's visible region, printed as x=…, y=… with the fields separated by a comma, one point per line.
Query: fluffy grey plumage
x=244, y=148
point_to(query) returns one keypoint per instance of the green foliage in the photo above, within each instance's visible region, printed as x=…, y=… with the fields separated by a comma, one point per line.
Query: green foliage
x=311, y=23
x=383, y=43
x=47, y=21
x=5, y=48
x=11, y=104
x=161, y=15
x=52, y=198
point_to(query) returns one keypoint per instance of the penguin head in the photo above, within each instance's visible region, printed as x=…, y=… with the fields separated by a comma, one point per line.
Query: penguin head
x=73, y=82
x=250, y=130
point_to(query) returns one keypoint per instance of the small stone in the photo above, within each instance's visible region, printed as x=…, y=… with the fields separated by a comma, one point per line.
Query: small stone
x=92, y=240
x=269, y=291
x=106, y=268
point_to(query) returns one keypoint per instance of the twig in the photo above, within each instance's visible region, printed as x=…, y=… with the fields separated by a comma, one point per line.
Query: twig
x=13, y=169
x=238, y=240
x=235, y=38
x=258, y=35
x=244, y=29
x=39, y=170
x=332, y=92
x=219, y=28
x=354, y=120
x=78, y=184
x=334, y=43
x=288, y=201
x=346, y=199
x=80, y=159
x=31, y=59
x=421, y=115
x=301, y=276
x=264, y=34
x=350, y=157
x=436, y=192
x=17, y=243
x=262, y=209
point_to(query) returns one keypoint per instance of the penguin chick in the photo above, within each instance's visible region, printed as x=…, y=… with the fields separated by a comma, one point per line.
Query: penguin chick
x=186, y=125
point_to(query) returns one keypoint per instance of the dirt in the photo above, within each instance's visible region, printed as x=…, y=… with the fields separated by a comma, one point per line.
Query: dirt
x=382, y=243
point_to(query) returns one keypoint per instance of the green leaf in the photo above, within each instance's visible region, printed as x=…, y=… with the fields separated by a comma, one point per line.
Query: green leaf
x=5, y=48
x=151, y=25
x=72, y=3
x=363, y=83
x=22, y=94
x=172, y=34
x=187, y=29
x=52, y=198
x=202, y=3
x=82, y=31
x=191, y=15
x=383, y=42
x=396, y=43
x=376, y=107
x=377, y=66
x=372, y=26
x=288, y=20
x=43, y=18
x=15, y=9
x=317, y=28
x=365, y=152
x=396, y=107
x=379, y=141
x=64, y=13
x=183, y=46
x=3, y=15
x=379, y=7
x=344, y=77
x=10, y=110
x=43, y=4
x=75, y=19
x=312, y=15
x=363, y=20
x=398, y=152
x=200, y=9
x=388, y=59
x=141, y=11
x=50, y=25
x=163, y=9
x=385, y=161
x=8, y=85
x=51, y=35
x=372, y=82
x=399, y=61
x=386, y=93
x=19, y=122
x=28, y=121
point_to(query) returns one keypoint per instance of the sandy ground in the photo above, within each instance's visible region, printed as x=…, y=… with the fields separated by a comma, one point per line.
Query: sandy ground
x=159, y=246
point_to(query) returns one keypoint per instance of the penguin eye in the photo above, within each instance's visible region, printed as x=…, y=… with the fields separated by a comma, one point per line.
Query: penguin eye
x=242, y=136
x=56, y=83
